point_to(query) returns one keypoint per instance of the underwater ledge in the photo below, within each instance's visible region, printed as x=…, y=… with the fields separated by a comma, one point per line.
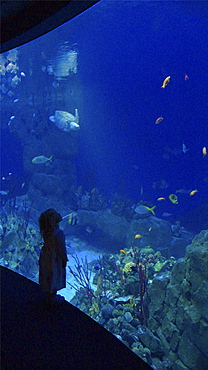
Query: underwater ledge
x=62, y=336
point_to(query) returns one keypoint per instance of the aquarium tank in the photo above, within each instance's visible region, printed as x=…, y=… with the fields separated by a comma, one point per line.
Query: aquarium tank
x=105, y=120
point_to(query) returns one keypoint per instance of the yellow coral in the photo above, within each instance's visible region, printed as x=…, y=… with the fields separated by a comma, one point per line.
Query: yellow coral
x=128, y=267
x=158, y=266
x=99, y=289
x=95, y=309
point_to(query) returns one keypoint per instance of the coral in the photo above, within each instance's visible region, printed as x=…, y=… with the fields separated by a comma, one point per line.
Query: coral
x=158, y=266
x=20, y=243
x=128, y=267
x=99, y=289
x=94, y=309
x=82, y=276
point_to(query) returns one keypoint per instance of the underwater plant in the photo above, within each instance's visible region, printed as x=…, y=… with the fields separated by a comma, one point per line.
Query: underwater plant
x=82, y=275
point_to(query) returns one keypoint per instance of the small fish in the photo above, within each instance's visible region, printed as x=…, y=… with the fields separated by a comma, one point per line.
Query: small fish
x=23, y=184
x=13, y=264
x=15, y=100
x=204, y=151
x=193, y=192
x=72, y=218
x=55, y=84
x=151, y=209
x=173, y=198
x=22, y=74
x=161, y=198
x=12, y=117
x=166, y=214
x=123, y=251
x=89, y=230
x=184, y=149
x=137, y=236
x=165, y=82
x=150, y=228
x=186, y=77
x=4, y=192
x=41, y=159
x=158, y=120
x=183, y=191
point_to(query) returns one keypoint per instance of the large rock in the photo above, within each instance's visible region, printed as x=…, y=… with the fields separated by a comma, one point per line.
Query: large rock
x=178, y=309
x=154, y=231
x=101, y=229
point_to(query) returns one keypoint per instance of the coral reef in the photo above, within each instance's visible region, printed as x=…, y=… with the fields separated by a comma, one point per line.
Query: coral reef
x=19, y=241
x=156, y=306
x=178, y=309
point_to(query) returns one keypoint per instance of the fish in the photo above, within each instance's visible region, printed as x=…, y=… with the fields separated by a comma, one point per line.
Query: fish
x=89, y=230
x=173, y=198
x=165, y=82
x=184, y=149
x=158, y=120
x=183, y=191
x=166, y=214
x=72, y=218
x=186, y=77
x=41, y=159
x=4, y=192
x=55, y=84
x=123, y=251
x=137, y=236
x=15, y=101
x=193, y=192
x=150, y=228
x=204, y=151
x=13, y=264
x=161, y=198
x=150, y=209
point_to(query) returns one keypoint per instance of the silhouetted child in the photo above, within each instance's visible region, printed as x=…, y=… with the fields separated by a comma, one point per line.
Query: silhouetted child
x=53, y=258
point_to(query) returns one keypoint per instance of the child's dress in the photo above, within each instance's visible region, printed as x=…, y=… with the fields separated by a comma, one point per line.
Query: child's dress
x=52, y=262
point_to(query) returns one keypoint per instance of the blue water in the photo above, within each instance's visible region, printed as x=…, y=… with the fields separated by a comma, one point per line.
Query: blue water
x=126, y=50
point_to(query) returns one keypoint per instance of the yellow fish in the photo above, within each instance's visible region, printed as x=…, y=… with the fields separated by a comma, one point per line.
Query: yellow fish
x=161, y=198
x=137, y=236
x=41, y=159
x=70, y=218
x=150, y=209
x=173, y=198
x=123, y=251
x=193, y=192
x=165, y=82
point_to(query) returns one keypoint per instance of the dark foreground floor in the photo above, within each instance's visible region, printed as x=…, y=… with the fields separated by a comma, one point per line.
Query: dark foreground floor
x=62, y=337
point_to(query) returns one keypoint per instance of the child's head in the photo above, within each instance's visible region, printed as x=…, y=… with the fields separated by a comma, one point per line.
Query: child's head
x=49, y=220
